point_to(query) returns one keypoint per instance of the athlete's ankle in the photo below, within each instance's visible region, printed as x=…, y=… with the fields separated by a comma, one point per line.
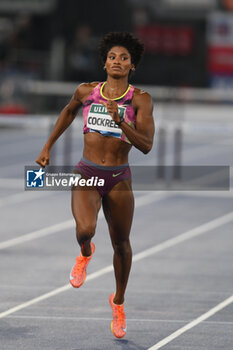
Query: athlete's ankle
x=86, y=249
x=118, y=301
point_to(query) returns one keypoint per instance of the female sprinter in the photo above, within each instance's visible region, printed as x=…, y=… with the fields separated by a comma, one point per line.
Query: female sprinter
x=116, y=116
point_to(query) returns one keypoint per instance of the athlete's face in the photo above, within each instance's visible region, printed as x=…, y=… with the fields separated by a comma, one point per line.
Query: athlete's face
x=118, y=62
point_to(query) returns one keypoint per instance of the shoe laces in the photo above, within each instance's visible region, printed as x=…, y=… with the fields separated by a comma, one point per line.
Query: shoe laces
x=80, y=264
x=119, y=314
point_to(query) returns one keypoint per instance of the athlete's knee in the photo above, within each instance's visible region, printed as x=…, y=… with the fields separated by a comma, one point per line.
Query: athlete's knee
x=122, y=247
x=85, y=232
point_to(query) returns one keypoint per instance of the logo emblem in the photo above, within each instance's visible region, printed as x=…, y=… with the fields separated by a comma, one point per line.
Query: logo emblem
x=115, y=175
x=35, y=178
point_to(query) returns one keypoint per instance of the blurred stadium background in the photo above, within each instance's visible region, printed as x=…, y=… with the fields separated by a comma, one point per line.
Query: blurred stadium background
x=47, y=47
x=47, y=44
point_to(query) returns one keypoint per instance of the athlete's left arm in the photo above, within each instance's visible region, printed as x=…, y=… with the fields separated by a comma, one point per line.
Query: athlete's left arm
x=142, y=137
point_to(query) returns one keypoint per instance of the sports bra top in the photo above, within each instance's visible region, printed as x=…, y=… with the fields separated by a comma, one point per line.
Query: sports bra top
x=97, y=119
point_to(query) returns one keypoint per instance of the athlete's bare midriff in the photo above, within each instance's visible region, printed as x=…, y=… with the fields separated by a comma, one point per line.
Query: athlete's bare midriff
x=105, y=150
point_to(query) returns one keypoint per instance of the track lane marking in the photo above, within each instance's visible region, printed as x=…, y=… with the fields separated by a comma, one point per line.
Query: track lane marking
x=141, y=201
x=193, y=323
x=137, y=257
x=148, y=320
x=199, y=230
x=37, y=234
x=23, y=197
x=11, y=183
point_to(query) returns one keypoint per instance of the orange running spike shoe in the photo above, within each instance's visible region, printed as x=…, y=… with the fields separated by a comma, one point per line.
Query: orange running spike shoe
x=118, y=324
x=79, y=273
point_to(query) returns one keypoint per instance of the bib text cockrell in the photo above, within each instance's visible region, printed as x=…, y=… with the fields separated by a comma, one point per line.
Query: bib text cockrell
x=102, y=121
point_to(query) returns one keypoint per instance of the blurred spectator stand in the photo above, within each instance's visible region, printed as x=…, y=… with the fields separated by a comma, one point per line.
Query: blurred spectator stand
x=81, y=55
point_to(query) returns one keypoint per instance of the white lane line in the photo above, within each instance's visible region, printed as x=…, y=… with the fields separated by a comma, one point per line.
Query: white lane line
x=192, y=324
x=11, y=183
x=139, y=256
x=30, y=195
x=65, y=225
x=138, y=292
x=148, y=320
x=208, y=194
x=37, y=234
x=35, y=300
x=24, y=197
x=213, y=224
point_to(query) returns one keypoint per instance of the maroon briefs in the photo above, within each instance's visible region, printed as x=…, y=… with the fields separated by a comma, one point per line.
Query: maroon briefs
x=110, y=174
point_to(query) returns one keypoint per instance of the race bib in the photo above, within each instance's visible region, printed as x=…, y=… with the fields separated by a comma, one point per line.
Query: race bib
x=99, y=119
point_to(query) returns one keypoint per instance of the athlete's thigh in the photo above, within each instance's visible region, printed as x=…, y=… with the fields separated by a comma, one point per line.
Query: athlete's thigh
x=86, y=204
x=118, y=206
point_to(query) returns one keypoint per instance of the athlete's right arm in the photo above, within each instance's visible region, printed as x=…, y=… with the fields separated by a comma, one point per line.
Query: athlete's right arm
x=65, y=118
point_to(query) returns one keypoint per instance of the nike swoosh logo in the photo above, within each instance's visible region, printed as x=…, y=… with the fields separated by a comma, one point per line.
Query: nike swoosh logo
x=114, y=175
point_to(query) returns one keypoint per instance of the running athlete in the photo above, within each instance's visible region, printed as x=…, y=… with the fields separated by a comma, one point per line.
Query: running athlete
x=116, y=116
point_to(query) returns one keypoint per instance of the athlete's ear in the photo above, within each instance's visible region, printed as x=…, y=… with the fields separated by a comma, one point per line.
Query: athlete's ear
x=133, y=68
